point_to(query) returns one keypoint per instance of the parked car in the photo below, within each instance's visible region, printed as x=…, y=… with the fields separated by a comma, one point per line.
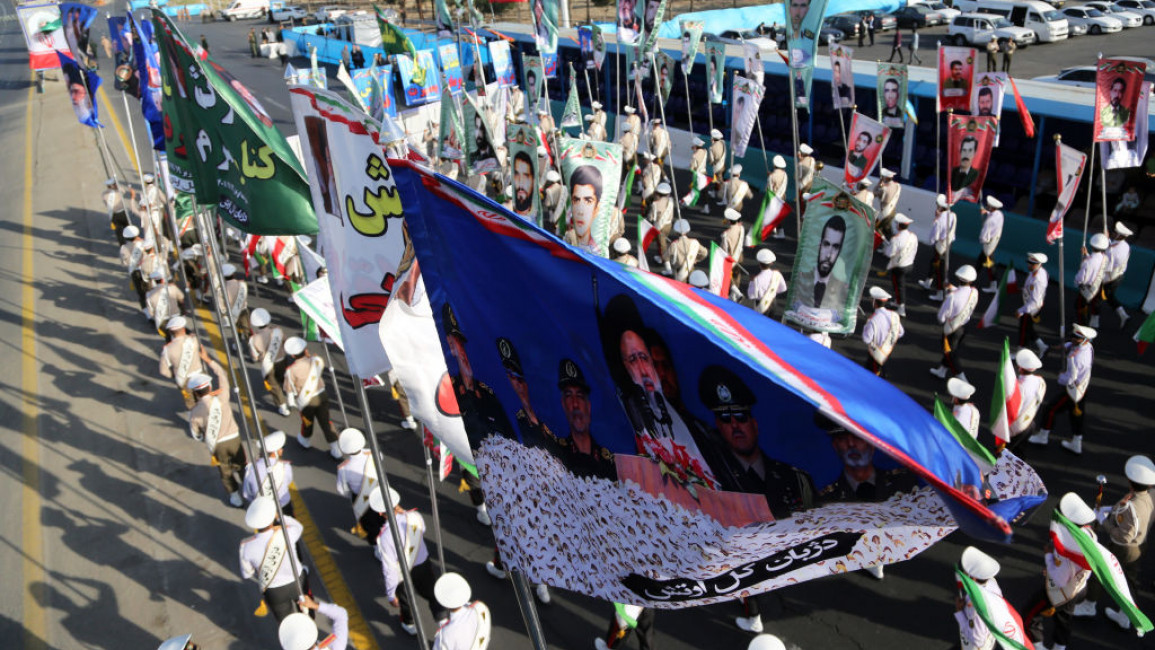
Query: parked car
x=845, y=23
x=1083, y=76
x=882, y=22
x=1129, y=18
x=1145, y=8
x=948, y=13
x=1094, y=20
x=328, y=13
x=284, y=13
x=917, y=15
x=239, y=9
x=828, y=35
x=977, y=29
x=1076, y=30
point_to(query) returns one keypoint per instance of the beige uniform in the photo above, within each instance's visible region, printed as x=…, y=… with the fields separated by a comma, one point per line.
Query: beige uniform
x=181, y=358
x=629, y=142
x=888, y=201
x=683, y=255
x=309, y=397
x=212, y=422
x=733, y=241
x=164, y=302
x=272, y=360
x=651, y=176
x=777, y=182
x=553, y=201
x=660, y=142
x=718, y=158
x=806, y=169
x=735, y=192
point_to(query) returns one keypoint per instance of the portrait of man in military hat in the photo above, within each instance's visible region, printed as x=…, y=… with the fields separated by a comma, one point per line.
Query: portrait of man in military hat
x=860, y=480
x=578, y=450
x=534, y=432
x=481, y=412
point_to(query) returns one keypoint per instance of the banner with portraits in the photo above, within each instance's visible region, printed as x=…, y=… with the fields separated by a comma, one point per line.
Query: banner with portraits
x=637, y=66
x=752, y=63
x=715, y=70
x=479, y=149
x=956, y=70
x=1119, y=154
x=891, y=93
x=544, y=14
x=969, y=143
x=502, y=64
x=665, y=71
x=1117, y=86
x=987, y=98
x=591, y=171
x=532, y=83
x=864, y=147
x=746, y=97
x=586, y=44
x=629, y=22
x=832, y=261
x=359, y=217
x=77, y=19
x=82, y=87
x=691, y=39
x=525, y=171
x=549, y=63
x=451, y=130
x=451, y=66
x=1069, y=166
x=599, y=46
x=651, y=13
x=613, y=430
x=419, y=78
x=43, y=34
x=804, y=22
x=842, y=76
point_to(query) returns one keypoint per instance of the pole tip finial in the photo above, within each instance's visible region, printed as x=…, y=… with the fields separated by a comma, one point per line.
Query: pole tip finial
x=1058, y=137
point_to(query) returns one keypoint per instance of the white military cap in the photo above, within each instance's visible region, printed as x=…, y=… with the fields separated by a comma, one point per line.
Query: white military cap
x=715, y=134
x=699, y=142
x=878, y=293
x=699, y=279
x=1141, y=470
x=295, y=345
x=297, y=632
x=732, y=214
x=621, y=245
x=630, y=110
x=110, y=182
x=597, y=105
x=766, y=256
x=542, y=152
x=779, y=162
x=959, y=388
x=589, y=118
x=176, y=643
x=993, y=203
x=886, y=173
x=148, y=178
x=351, y=441
x=627, y=127
x=1099, y=241
x=766, y=642
x=940, y=201
x=902, y=218
x=736, y=170
x=156, y=274
x=261, y=513
x=149, y=245
x=228, y=270
x=966, y=273
x=377, y=502
x=1120, y=229
x=979, y=565
x=1027, y=360
x=131, y=232
x=805, y=149
x=509, y=190
x=542, y=111
x=681, y=226
x=1075, y=509
x=452, y=591
x=198, y=380
x=657, y=120
x=275, y=441
x=866, y=182
x=552, y=176
x=647, y=155
x=663, y=188
x=1085, y=332
x=176, y=323
x=1037, y=258
x=260, y=317
x=191, y=253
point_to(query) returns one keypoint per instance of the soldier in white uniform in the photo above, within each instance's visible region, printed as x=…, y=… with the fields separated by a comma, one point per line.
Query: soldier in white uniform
x=155, y=204
x=954, y=314
x=113, y=198
x=151, y=261
x=622, y=255
x=1074, y=379
x=182, y=357
x=764, y=287
x=889, y=192
x=733, y=242
x=634, y=120
x=1032, y=389
x=735, y=191
x=881, y=332
x=553, y=199
x=299, y=632
x=599, y=114
x=595, y=130
x=661, y=214
x=163, y=301
x=989, y=236
x=1064, y=581
x=1034, y=292
x=469, y=624
x=546, y=124
x=357, y=481
x=699, y=172
x=211, y=421
x=942, y=233
x=267, y=347
x=651, y=177
x=777, y=182
x=411, y=526
x=131, y=254
x=864, y=193
x=982, y=568
x=237, y=298
x=901, y=250
x=265, y=557
x=1118, y=255
x=1089, y=281
x=305, y=390
x=629, y=142
x=966, y=413
x=684, y=253
x=717, y=160
x=806, y=167
x=659, y=141
x=259, y=480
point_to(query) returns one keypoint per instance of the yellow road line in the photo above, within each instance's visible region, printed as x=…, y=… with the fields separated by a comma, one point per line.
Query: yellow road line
x=111, y=113
x=32, y=534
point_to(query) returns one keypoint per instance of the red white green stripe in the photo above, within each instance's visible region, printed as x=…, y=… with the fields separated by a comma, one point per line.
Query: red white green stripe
x=1146, y=333
x=721, y=270
x=773, y=211
x=1008, y=285
x=647, y=234
x=983, y=458
x=1007, y=399
x=996, y=613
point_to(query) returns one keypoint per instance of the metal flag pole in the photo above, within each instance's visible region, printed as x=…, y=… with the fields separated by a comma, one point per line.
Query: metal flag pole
x=689, y=102
x=336, y=386
x=1062, y=277
x=938, y=135
x=670, y=161
x=618, y=89
x=383, y=485
x=1090, y=192
x=950, y=211
x=842, y=125
x=794, y=134
x=132, y=139
x=433, y=499
x=1103, y=187
x=528, y=608
x=589, y=89
x=171, y=216
x=761, y=139
x=102, y=147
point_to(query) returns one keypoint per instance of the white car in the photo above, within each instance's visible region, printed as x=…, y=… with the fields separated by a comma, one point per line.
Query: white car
x=1094, y=20
x=281, y=14
x=1130, y=19
x=1145, y=8
x=948, y=13
x=329, y=13
x=977, y=29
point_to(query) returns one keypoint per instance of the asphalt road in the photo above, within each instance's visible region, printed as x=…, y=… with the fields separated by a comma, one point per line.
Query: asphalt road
x=124, y=538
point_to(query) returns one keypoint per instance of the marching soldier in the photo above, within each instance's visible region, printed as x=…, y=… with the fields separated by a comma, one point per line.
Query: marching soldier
x=1118, y=255
x=699, y=176
x=411, y=526
x=236, y=299
x=717, y=160
x=553, y=199
x=634, y=120
x=1034, y=291
x=954, y=315
x=864, y=193
x=626, y=619
x=966, y=413
x=735, y=191
x=299, y=632
x=888, y=193
x=469, y=623
x=595, y=130
x=265, y=558
x=651, y=177
x=211, y=421
x=901, y=249
x=131, y=254
x=622, y=253
x=806, y=168
x=989, y=237
x=777, y=182
x=661, y=214
x=266, y=347
x=767, y=285
x=357, y=480
x=1033, y=389
x=546, y=124
x=599, y=114
x=881, y=332
x=163, y=301
x=304, y=387
x=629, y=142
x=982, y=568
x=261, y=476
x=1065, y=582
x=942, y=233
x=113, y=198
x=1089, y=281
x=1074, y=379
x=151, y=261
x=182, y=357
x=684, y=253
x=659, y=141
x=155, y=204
x=733, y=242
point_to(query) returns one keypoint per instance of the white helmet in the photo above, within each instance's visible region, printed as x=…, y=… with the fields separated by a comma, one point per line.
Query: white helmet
x=1099, y=242
x=261, y=513
x=1140, y=469
x=130, y=232
x=699, y=279
x=978, y=565
x=621, y=245
x=297, y=632
x=260, y=317
x=766, y=642
x=377, y=503
x=351, y=441
x=452, y=591
x=1075, y=509
x=295, y=345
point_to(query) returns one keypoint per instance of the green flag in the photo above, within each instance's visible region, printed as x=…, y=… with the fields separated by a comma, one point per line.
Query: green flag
x=571, y=116
x=393, y=40
x=983, y=458
x=451, y=132
x=175, y=94
x=1145, y=334
x=444, y=18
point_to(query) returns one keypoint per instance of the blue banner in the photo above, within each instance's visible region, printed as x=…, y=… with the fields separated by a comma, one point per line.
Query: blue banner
x=451, y=66
x=77, y=20
x=120, y=34
x=147, y=59
x=549, y=62
x=379, y=99
x=420, y=78
x=82, y=87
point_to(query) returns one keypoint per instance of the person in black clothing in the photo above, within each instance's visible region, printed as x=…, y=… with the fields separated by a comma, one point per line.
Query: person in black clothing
x=358, y=58
x=481, y=412
x=860, y=480
x=580, y=453
x=534, y=432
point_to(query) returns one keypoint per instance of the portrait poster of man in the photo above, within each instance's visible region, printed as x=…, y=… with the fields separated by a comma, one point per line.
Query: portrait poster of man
x=1117, y=86
x=451, y=66
x=651, y=13
x=502, y=64
x=591, y=171
x=842, y=76
x=586, y=43
x=956, y=69
x=43, y=34
x=987, y=98
x=691, y=39
x=804, y=20
x=753, y=63
x=545, y=14
x=865, y=145
x=891, y=94
x=419, y=78
x=969, y=142
x=745, y=100
x=532, y=82
x=665, y=71
x=629, y=22
x=715, y=70
x=451, y=130
x=832, y=261
x=1069, y=166
x=525, y=171
x=1119, y=154
x=479, y=147
x=81, y=86
x=599, y=46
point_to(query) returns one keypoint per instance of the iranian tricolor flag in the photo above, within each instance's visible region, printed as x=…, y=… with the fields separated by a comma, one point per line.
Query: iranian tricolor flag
x=440, y=453
x=773, y=211
x=1069, y=165
x=983, y=458
x=996, y=613
x=1074, y=543
x=721, y=270
x=1146, y=333
x=647, y=234
x=1008, y=285
x=1007, y=398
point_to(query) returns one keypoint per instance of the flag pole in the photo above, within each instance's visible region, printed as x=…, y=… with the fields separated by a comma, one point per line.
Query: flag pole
x=132, y=139
x=1062, y=276
x=617, y=89
x=670, y=161
x=938, y=134
x=171, y=214
x=528, y=608
x=1103, y=187
x=794, y=134
x=1090, y=193
x=689, y=102
x=433, y=500
x=336, y=386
